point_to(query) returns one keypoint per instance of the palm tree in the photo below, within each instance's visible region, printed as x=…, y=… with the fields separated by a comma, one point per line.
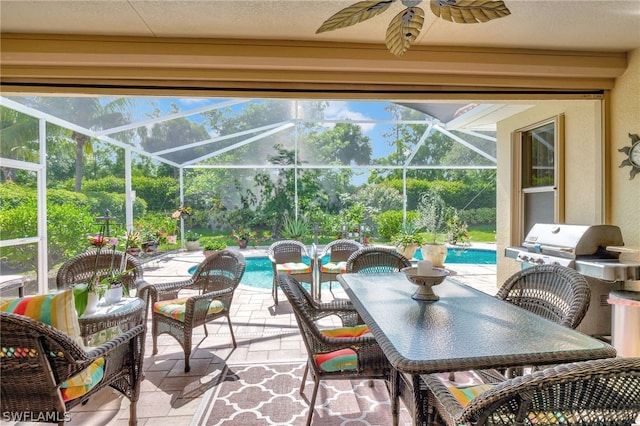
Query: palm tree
x=91, y=113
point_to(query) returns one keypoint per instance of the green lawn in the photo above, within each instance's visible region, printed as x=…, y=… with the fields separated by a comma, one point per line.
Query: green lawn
x=478, y=234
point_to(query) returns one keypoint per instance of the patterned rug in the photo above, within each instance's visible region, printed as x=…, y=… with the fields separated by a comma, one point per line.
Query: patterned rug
x=258, y=394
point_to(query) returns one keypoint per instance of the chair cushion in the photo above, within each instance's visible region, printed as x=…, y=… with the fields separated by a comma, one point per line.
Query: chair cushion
x=343, y=359
x=79, y=385
x=466, y=394
x=293, y=268
x=355, y=331
x=55, y=309
x=334, y=267
x=175, y=308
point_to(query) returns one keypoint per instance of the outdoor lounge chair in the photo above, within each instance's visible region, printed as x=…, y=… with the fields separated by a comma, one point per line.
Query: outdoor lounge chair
x=374, y=259
x=287, y=256
x=597, y=392
x=37, y=359
x=361, y=355
x=338, y=251
x=80, y=269
x=216, y=279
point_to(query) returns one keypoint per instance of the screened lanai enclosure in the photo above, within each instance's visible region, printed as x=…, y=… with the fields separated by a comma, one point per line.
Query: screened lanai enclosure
x=229, y=163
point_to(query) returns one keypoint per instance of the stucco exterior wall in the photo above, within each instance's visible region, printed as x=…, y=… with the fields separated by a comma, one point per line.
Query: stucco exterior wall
x=582, y=168
x=586, y=174
x=625, y=119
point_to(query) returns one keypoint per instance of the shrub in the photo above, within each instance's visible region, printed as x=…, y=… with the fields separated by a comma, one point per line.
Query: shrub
x=389, y=223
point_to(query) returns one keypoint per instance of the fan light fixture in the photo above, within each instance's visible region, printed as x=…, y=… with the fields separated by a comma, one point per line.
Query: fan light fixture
x=405, y=27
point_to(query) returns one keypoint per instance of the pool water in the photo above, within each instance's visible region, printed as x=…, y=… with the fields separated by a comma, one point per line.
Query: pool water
x=259, y=272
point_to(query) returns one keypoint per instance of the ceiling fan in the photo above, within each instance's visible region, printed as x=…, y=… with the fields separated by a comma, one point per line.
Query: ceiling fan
x=405, y=27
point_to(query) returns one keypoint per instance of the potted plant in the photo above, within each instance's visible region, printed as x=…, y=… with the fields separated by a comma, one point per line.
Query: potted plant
x=134, y=246
x=408, y=240
x=456, y=229
x=295, y=228
x=432, y=216
x=243, y=236
x=210, y=246
x=192, y=240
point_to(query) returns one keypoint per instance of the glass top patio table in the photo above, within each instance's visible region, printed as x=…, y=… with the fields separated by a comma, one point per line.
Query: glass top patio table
x=465, y=329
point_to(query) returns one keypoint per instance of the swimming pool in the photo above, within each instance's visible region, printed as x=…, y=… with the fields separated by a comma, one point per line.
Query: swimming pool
x=259, y=272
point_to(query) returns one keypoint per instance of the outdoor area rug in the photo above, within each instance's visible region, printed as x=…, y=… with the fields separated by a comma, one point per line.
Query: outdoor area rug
x=259, y=394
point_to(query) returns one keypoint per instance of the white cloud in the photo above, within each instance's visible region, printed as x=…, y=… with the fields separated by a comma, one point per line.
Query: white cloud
x=339, y=110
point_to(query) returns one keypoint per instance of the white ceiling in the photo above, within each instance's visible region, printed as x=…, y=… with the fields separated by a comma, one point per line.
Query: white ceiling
x=542, y=24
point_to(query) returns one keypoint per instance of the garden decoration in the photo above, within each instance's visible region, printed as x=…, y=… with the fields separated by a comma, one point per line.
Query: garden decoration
x=110, y=285
x=243, y=236
x=432, y=217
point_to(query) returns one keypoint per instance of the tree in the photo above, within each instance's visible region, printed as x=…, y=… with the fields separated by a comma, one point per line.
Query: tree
x=89, y=112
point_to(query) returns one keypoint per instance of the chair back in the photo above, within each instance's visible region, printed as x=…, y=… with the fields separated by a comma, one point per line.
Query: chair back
x=554, y=292
x=373, y=259
x=80, y=268
x=596, y=392
x=287, y=251
x=305, y=314
x=30, y=381
x=221, y=270
x=340, y=250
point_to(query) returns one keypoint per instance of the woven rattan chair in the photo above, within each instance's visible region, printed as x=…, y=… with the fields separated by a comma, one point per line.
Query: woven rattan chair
x=37, y=358
x=374, y=259
x=597, y=392
x=215, y=281
x=371, y=362
x=338, y=251
x=554, y=292
x=288, y=256
x=80, y=269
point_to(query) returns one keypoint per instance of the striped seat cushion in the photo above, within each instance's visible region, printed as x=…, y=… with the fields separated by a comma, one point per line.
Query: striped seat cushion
x=355, y=331
x=293, y=268
x=343, y=359
x=83, y=382
x=58, y=310
x=175, y=308
x=466, y=394
x=334, y=267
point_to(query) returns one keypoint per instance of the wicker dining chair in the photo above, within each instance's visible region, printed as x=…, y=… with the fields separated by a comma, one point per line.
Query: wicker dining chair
x=368, y=359
x=596, y=392
x=338, y=252
x=80, y=269
x=288, y=256
x=375, y=259
x=37, y=358
x=554, y=292
x=215, y=281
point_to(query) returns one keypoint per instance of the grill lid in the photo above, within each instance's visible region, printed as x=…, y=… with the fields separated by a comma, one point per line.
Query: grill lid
x=572, y=241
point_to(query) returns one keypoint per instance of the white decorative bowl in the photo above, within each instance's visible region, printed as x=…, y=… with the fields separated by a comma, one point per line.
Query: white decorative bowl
x=425, y=282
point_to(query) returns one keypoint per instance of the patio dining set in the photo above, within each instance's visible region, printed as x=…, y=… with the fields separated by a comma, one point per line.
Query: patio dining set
x=527, y=363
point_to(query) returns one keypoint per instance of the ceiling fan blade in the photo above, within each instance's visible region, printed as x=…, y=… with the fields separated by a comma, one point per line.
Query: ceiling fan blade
x=353, y=14
x=404, y=29
x=469, y=11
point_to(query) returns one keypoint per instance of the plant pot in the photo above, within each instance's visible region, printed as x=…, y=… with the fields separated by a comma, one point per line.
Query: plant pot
x=192, y=245
x=208, y=253
x=436, y=253
x=172, y=239
x=113, y=295
x=134, y=251
x=92, y=303
x=243, y=243
x=408, y=251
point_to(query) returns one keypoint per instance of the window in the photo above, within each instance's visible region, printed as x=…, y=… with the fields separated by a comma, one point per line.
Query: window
x=538, y=171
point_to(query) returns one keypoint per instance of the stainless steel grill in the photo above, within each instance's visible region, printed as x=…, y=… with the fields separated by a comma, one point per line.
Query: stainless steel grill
x=585, y=249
